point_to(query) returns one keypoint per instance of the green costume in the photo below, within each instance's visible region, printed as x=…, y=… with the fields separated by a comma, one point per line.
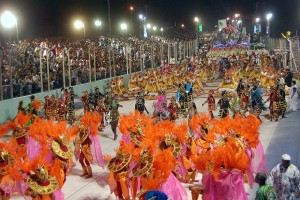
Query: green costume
x=266, y=192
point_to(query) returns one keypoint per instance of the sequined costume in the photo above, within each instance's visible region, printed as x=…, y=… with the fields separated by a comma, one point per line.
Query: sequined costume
x=224, y=105
x=173, y=109
x=211, y=103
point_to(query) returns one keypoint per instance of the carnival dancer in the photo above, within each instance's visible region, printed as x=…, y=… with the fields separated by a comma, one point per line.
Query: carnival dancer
x=41, y=185
x=224, y=105
x=211, y=103
x=47, y=107
x=114, y=114
x=160, y=107
x=84, y=143
x=91, y=102
x=97, y=96
x=143, y=169
x=119, y=173
x=66, y=96
x=182, y=97
x=21, y=107
x=33, y=107
x=101, y=109
x=240, y=88
x=225, y=166
x=85, y=101
x=54, y=107
x=72, y=95
x=62, y=151
x=87, y=143
x=245, y=98
x=189, y=91
x=20, y=130
x=8, y=156
x=192, y=112
x=70, y=110
x=235, y=105
x=257, y=104
x=61, y=110
x=140, y=103
x=282, y=101
x=293, y=96
x=274, y=104
x=173, y=109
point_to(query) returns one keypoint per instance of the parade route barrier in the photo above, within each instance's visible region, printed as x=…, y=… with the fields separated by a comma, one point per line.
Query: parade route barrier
x=9, y=107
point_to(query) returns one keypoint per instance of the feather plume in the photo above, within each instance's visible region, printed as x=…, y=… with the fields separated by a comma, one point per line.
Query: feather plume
x=36, y=104
x=3, y=130
x=22, y=119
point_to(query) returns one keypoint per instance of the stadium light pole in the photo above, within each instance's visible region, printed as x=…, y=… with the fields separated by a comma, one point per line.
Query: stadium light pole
x=8, y=20
x=98, y=23
x=268, y=17
x=131, y=8
x=149, y=28
x=196, y=20
x=79, y=25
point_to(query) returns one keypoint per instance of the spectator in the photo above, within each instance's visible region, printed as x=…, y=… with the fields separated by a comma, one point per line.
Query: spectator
x=285, y=179
x=265, y=191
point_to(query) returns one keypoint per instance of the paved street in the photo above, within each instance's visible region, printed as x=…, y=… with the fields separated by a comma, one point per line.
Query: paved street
x=277, y=138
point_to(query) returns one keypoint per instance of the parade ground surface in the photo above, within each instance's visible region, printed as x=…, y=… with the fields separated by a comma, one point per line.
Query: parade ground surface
x=277, y=138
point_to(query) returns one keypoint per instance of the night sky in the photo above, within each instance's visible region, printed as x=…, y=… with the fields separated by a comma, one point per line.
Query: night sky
x=54, y=17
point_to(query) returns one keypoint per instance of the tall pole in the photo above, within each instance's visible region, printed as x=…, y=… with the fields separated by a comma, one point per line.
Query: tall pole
x=90, y=73
x=114, y=63
x=180, y=54
x=132, y=24
x=41, y=71
x=268, y=27
x=48, y=70
x=10, y=76
x=130, y=65
x=169, y=53
x=17, y=31
x=109, y=58
x=161, y=52
x=152, y=56
x=83, y=32
x=127, y=62
x=141, y=61
x=95, y=74
x=175, y=51
x=109, y=22
x=64, y=75
x=69, y=68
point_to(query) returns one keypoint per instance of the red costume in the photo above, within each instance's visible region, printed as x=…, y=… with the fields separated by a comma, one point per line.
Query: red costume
x=62, y=110
x=274, y=104
x=173, y=109
x=85, y=101
x=211, y=103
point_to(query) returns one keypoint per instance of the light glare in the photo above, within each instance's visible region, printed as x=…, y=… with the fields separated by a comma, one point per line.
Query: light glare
x=123, y=26
x=8, y=20
x=98, y=23
x=78, y=24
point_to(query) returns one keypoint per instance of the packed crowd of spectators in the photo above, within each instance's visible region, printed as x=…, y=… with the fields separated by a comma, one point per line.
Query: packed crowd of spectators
x=89, y=60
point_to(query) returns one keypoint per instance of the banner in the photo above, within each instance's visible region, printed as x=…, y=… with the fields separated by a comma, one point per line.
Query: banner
x=222, y=23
